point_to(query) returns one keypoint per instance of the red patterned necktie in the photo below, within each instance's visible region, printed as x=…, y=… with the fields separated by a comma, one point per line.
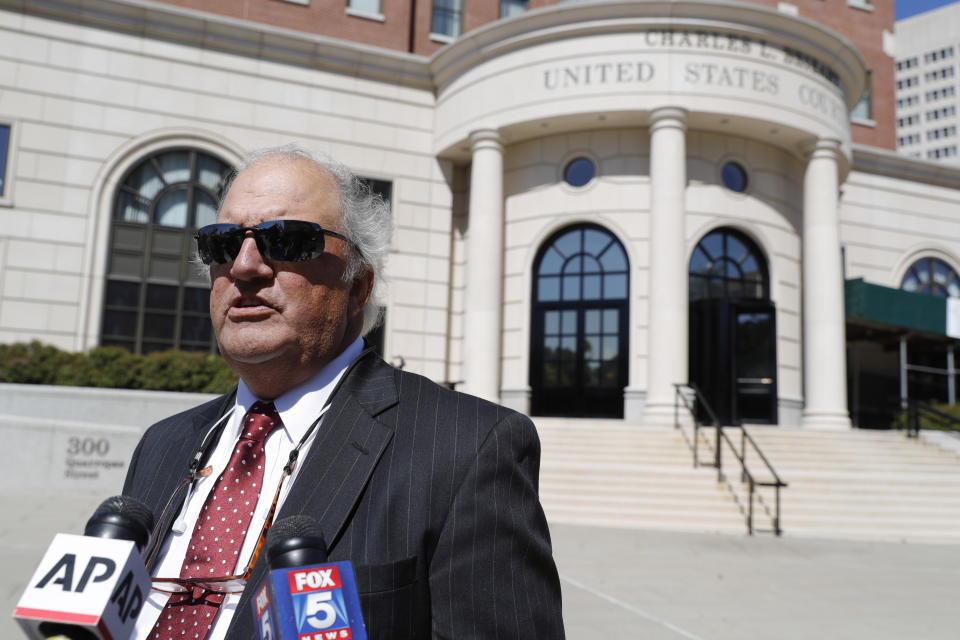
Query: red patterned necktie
x=220, y=530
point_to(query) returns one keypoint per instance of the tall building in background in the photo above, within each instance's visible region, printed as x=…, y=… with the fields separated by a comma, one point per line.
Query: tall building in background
x=928, y=52
x=595, y=201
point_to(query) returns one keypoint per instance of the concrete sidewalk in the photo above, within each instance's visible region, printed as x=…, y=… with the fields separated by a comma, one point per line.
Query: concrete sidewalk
x=660, y=585
x=657, y=585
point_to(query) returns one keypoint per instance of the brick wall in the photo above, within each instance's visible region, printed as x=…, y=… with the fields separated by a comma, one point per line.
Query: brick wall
x=864, y=27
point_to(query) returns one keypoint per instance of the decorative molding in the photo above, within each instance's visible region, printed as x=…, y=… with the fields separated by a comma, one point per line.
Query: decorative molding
x=896, y=165
x=576, y=20
x=241, y=37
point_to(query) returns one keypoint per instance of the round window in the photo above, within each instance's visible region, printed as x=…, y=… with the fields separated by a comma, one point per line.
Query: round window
x=734, y=177
x=579, y=172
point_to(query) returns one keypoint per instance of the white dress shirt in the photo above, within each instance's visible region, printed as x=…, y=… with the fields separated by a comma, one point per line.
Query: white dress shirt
x=298, y=408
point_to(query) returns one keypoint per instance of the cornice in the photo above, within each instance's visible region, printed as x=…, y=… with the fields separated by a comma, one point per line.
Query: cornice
x=567, y=21
x=207, y=30
x=896, y=165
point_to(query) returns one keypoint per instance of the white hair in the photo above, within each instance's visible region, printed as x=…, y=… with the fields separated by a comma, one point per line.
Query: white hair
x=366, y=219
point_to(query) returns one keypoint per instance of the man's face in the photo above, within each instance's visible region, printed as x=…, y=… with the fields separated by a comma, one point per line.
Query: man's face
x=280, y=322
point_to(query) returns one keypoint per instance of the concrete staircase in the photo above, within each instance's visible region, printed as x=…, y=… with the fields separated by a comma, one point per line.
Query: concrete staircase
x=863, y=484
x=853, y=484
x=617, y=474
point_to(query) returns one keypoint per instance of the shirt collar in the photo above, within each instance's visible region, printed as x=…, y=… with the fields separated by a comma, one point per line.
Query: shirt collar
x=301, y=405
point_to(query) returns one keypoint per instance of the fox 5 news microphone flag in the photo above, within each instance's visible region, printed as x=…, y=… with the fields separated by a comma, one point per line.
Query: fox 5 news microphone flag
x=96, y=584
x=316, y=602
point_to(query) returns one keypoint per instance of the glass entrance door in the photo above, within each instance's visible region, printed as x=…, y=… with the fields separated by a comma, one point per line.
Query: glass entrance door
x=578, y=350
x=581, y=362
x=733, y=359
x=754, y=361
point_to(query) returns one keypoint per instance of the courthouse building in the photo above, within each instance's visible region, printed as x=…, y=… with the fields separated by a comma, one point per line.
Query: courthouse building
x=593, y=200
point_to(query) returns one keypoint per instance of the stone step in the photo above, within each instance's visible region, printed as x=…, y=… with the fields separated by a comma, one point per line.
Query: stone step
x=859, y=485
x=946, y=478
x=736, y=527
x=640, y=486
x=822, y=458
x=841, y=505
x=830, y=500
x=915, y=535
x=678, y=492
x=647, y=514
x=705, y=502
x=869, y=525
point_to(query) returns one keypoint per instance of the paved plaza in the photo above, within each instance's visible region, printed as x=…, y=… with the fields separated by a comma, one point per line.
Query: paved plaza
x=658, y=585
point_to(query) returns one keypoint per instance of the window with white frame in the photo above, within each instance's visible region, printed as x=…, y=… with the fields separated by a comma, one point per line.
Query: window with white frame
x=447, y=18
x=863, y=110
x=365, y=6
x=933, y=277
x=513, y=7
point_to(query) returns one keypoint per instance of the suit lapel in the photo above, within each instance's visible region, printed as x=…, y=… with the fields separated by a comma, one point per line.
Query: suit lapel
x=339, y=464
x=347, y=448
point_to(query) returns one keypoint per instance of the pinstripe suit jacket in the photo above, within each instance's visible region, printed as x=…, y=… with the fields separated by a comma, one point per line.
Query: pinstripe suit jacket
x=432, y=494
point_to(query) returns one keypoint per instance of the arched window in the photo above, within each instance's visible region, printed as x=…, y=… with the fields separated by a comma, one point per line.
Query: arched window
x=728, y=264
x=155, y=299
x=578, y=363
x=932, y=276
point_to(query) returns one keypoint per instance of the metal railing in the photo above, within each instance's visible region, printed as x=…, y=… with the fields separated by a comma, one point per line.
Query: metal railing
x=690, y=399
x=916, y=411
x=690, y=403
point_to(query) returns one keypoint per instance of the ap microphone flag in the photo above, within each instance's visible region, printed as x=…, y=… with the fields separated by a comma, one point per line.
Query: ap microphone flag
x=92, y=583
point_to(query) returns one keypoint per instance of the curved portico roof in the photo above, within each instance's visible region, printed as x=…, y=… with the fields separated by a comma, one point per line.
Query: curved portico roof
x=735, y=68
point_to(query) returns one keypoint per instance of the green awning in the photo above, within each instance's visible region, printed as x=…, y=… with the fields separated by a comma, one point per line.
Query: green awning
x=894, y=308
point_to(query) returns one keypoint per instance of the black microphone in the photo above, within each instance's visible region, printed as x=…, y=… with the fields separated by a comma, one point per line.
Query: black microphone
x=91, y=587
x=304, y=596
x=295, y=541
x=121, y=518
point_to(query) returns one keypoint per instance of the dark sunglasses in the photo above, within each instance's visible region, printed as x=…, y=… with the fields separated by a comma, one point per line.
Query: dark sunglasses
x=285, y=240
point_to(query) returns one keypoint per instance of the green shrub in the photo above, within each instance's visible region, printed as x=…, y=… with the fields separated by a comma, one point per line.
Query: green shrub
x=932, y=421
x=115, y=367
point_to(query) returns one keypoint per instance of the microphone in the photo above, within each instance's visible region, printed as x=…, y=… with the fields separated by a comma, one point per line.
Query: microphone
x=303, y=597
x=91, y=587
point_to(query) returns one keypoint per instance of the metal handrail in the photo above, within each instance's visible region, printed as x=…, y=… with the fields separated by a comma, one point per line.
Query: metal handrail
x=741, y=456
x=917, y=408
x=714, y=421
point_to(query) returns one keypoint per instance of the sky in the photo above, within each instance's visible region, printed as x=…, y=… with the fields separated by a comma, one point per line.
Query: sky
x=907, y=8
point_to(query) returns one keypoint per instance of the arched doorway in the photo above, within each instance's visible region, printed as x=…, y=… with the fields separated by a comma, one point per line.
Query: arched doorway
x=733, y=356
x=579, y=324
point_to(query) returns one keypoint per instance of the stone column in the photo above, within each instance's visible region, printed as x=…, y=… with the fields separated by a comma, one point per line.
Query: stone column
x=667, y=303
x=483, y=298
x=824, y=337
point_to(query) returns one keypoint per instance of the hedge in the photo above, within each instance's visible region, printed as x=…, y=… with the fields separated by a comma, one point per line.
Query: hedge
x=115, y=367
x=928, y=421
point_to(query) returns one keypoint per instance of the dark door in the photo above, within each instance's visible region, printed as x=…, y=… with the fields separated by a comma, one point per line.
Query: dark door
x=579, y=325
x=733, y=359
x=580, y=361
x=733, y=355
x=754, y=364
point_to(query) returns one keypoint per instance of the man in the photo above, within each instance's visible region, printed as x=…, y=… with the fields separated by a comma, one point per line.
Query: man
x=431, y=494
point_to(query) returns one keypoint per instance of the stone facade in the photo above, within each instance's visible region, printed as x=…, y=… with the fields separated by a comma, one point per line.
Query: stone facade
x=475, y=140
